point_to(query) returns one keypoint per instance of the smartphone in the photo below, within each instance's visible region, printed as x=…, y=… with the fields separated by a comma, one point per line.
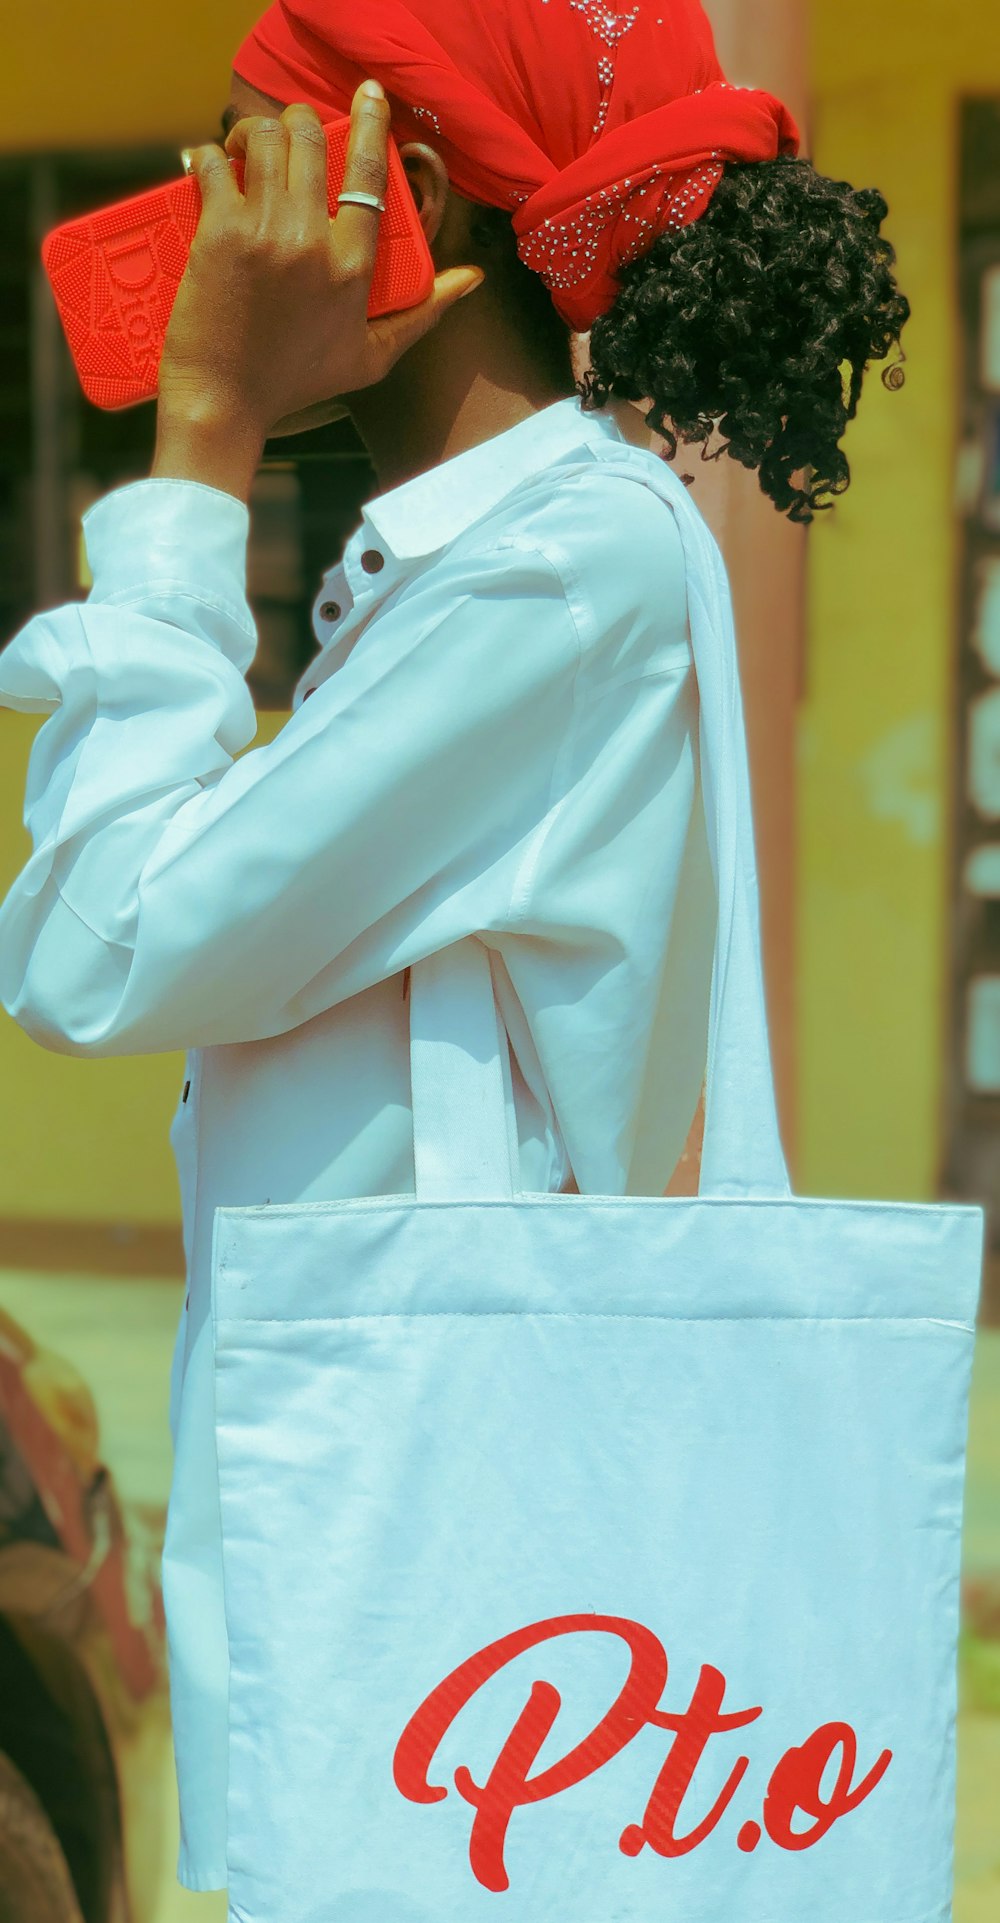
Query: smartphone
x=115, y=273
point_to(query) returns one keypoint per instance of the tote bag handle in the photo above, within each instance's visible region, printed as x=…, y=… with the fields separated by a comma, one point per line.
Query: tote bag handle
x=463, y=1126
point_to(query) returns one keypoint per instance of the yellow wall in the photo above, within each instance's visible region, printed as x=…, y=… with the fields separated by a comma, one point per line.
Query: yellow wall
x=108, y=74
x=876, y=726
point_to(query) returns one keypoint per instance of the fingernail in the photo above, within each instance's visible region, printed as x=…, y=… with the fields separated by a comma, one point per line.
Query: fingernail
x=471, y=288
x=186, y=159
x=374, y=89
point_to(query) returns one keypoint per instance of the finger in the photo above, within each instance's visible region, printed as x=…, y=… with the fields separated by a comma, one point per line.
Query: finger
x=320, y=414
x=392, y=334
x=308, y=157
x=215, y=177
x=262, y=144
x=356, y=229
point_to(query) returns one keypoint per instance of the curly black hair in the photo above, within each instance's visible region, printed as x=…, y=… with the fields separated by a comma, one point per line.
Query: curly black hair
x=745, y=318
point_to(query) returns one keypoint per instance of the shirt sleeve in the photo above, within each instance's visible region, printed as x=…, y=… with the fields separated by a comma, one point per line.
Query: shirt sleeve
x=179, y=897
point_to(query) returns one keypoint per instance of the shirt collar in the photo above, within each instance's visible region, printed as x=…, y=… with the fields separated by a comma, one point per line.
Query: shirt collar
x=423, y=515
x=411, y=522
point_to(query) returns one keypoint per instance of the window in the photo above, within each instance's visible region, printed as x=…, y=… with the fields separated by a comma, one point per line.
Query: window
x=972, y=1079
x=58, y=452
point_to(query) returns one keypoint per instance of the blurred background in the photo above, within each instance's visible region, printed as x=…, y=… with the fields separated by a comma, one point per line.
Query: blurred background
x=870, y=648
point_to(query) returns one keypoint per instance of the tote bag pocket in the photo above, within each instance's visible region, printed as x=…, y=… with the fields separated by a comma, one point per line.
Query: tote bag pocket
x=442, y=1527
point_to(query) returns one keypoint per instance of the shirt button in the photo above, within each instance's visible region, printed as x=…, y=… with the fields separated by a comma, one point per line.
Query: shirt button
x=372, y=561
x=330, y=611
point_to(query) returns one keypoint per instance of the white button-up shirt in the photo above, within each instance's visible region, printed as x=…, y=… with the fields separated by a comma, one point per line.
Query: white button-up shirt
x=498, y=736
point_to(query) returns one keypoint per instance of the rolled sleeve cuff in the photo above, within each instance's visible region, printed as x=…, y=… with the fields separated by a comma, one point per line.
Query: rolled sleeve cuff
x=157, y=534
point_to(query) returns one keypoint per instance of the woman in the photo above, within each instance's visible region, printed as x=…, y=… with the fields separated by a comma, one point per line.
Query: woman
x=499, y=732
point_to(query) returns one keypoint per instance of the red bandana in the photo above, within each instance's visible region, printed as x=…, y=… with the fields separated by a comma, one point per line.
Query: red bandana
x=598, y=129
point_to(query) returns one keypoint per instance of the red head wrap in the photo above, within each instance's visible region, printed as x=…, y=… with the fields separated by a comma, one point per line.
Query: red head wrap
x=598, y=129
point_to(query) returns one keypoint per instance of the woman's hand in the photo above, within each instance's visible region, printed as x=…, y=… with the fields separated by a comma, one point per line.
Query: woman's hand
x=270, y=319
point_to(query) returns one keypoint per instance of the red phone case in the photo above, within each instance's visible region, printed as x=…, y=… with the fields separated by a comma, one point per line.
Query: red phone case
x=115, y=273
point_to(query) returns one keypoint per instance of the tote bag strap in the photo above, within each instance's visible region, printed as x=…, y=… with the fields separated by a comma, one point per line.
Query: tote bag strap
x=460, y=1068
x=464, y=1126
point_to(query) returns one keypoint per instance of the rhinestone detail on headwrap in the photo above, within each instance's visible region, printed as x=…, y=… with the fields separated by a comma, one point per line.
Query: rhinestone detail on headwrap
x=609, y=28
x=564, y=252
x=597, y=123
x=428, y=114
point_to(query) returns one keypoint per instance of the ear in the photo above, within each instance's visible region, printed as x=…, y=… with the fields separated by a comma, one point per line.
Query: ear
x=429, y=185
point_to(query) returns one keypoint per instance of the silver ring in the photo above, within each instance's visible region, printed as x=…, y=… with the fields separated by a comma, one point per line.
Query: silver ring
x=364, y=200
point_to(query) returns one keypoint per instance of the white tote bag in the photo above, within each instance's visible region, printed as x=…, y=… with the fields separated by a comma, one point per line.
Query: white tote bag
x=595, y=1559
